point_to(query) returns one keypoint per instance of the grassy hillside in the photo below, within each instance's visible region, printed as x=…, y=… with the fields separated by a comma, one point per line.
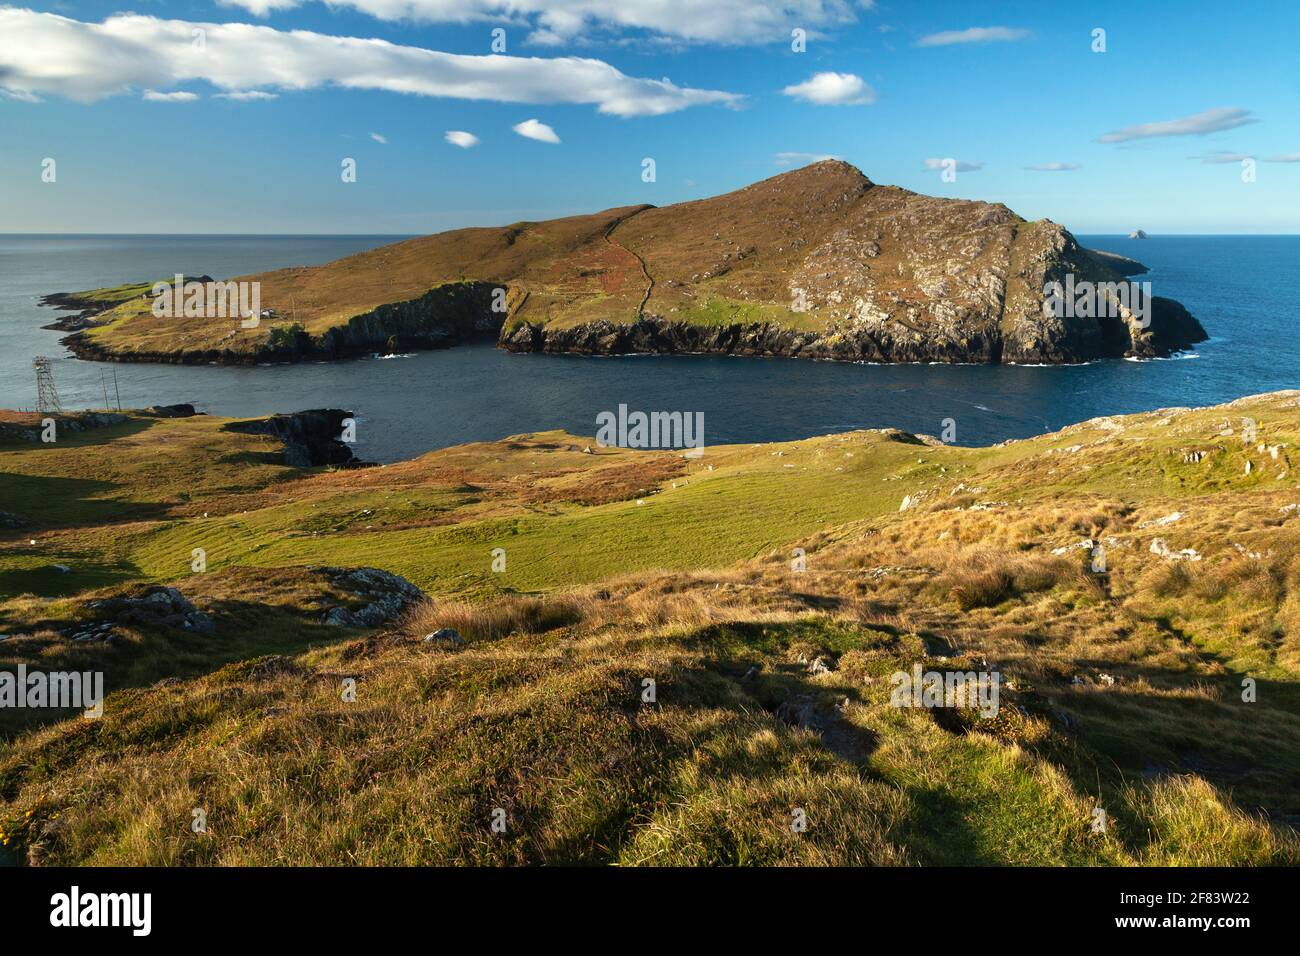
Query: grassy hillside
x=560, y=259
x=1123, y=689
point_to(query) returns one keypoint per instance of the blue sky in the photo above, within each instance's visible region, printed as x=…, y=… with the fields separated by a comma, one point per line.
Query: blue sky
x=1157, y=125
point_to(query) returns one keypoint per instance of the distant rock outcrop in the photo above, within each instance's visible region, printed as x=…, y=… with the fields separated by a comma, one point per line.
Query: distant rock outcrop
x=171, y=411
x=311, y=438
x=1120, y=265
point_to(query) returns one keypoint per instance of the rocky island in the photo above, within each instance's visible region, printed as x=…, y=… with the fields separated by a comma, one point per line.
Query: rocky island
x=819, y=262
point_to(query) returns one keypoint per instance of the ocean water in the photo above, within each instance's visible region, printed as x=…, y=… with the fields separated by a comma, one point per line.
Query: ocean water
x=1245, y=290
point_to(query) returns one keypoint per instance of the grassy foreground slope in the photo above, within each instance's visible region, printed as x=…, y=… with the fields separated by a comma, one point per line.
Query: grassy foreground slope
x=1124, y=689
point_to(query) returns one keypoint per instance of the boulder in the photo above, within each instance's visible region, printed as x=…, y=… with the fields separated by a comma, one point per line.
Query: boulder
x=386, y=596
x=157, y=607
x=171, y=411
x=447, y=635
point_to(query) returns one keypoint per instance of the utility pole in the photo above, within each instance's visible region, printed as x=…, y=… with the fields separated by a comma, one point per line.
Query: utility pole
x=47, y=396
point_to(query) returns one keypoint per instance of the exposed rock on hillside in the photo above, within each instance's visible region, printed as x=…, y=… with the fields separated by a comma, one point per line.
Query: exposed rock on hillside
x=27, y=426
x=385, y=596
x=157, y=607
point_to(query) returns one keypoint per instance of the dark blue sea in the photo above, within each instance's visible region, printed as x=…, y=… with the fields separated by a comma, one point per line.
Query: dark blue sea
x=1244, y=289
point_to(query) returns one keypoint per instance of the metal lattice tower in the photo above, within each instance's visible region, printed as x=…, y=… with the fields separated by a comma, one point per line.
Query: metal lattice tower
x=47, y=396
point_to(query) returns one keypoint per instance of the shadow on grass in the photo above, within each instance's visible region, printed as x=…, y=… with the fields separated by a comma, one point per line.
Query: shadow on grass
x=51, y=501
x=1246, y=750
x=243, y=630
x=1115, y=740
x=256, y=458
x=46, y=581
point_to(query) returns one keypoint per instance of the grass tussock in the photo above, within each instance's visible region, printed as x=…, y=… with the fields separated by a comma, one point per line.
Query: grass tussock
x=1192, y=824
x=513, y=614
x=984, y=579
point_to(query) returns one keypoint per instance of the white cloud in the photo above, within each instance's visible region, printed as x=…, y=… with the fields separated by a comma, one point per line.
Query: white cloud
x=1054, y=167
x=833, y=89
x=42, y=53
x=379, y=139
x=458, y=137
x=533, y=129
x=1220, y=156
x=246, y=95
x=546, y=38
x=179, y=96
x=261, y=8
x=974, y=35
x=960, y=165
x=800, y=159
x=551, y=22
x=1199, y=124
x=1283, y=158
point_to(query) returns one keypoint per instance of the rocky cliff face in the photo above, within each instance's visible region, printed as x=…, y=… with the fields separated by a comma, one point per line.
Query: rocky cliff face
x=443, y=317
x=1173, y=328
x=310, y=438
